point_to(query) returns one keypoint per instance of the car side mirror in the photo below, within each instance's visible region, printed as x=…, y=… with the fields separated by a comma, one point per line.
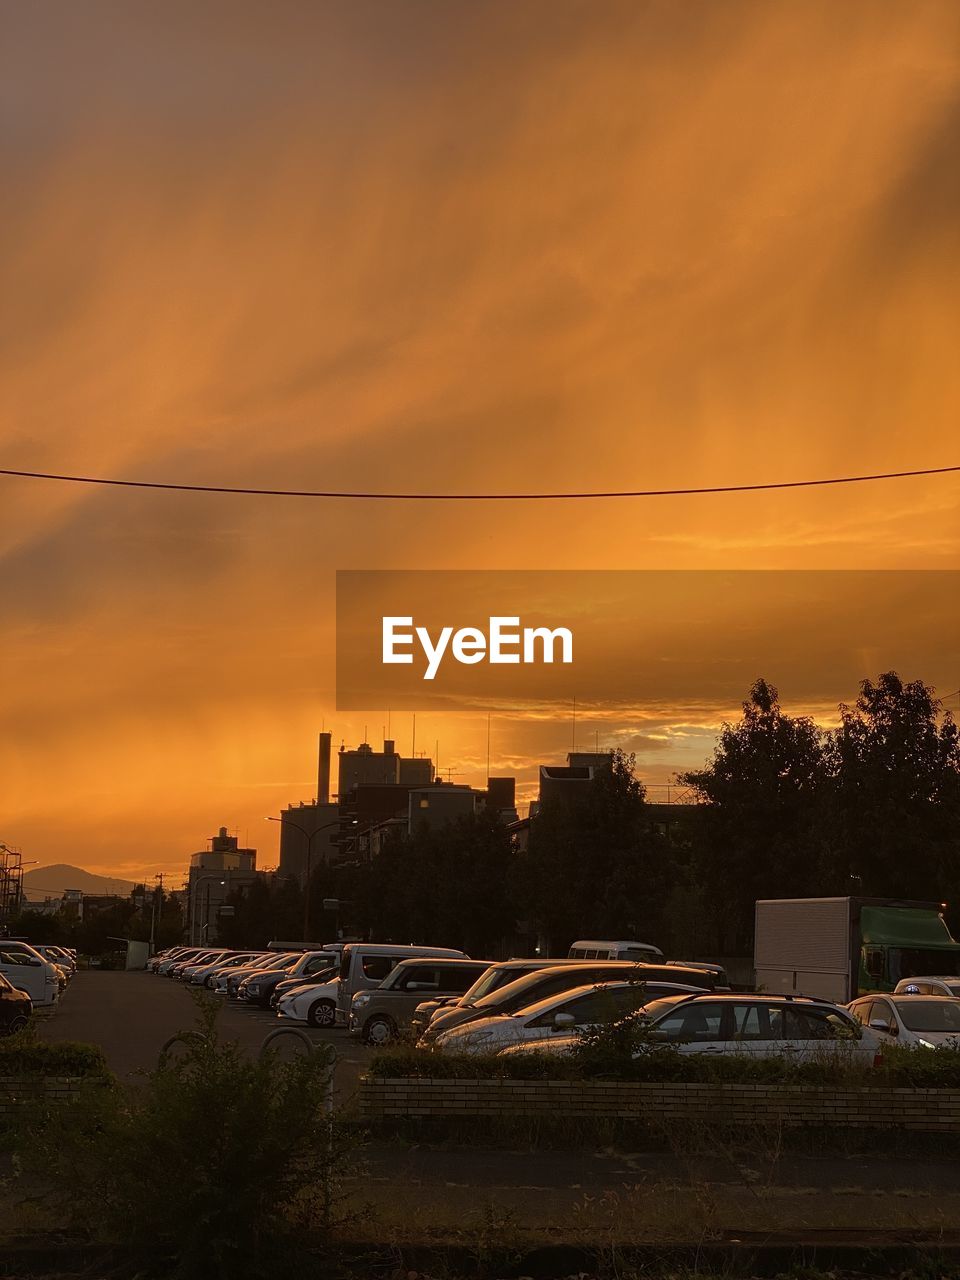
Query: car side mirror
x=564, y=1021
x=881, y=1024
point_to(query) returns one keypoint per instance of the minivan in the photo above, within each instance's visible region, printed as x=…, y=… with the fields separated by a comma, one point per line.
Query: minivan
x=364, y=965
x=27, y=970
x=386, y=1012
x=592, y=950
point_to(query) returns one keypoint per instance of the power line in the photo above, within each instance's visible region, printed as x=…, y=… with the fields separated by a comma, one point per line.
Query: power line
x=475, y=497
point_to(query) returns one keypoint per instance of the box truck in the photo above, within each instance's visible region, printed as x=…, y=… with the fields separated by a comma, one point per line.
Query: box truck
x=839, y=948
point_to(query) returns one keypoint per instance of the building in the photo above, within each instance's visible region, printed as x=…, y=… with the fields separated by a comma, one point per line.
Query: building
x=364, y=767
x=215, y=874
x=563, y=784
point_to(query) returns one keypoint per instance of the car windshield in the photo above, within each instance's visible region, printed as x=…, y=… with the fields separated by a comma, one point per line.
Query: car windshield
x=930, y=1015
x=488, y=981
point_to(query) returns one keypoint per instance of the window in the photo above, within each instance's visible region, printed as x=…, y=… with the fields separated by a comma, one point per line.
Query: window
x=316, y=963
x=376, y=968
x=12, y=956
x=930, y=1015
x=421, y=977
x=595, y=1006
x=815, y=1024
x=751, y=1022
x=456, y=979
x=692, y=1023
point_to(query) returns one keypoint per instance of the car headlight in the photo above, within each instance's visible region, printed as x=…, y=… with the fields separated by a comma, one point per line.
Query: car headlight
x=926, y=1043
x=360, y=1000
x=252, y=988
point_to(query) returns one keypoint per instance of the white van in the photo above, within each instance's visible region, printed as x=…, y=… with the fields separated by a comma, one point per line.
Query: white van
x=364, y=965
x=25, y=969
x=590, y=949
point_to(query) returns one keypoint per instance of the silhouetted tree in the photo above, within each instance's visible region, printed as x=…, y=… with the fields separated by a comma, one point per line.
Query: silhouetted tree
x=595, y=865
x=762, y=830
x=897, y=768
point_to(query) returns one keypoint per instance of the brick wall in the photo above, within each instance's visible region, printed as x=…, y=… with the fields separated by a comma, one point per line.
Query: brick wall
x=934, y=1110
x=14, y=1091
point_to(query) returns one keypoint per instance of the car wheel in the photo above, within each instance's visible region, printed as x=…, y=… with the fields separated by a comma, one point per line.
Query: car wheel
x=322, y=1013
x=379, y=1030
x=18, y=1023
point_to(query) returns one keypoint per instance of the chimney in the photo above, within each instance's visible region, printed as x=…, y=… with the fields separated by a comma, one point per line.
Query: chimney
x=323, y=770
x=389, y=746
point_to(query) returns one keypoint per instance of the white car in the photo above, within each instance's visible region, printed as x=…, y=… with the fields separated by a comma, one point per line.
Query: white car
x=562, y=1014
x=760, y=1026
x=754, y=1025
x=927, y=1021
x=205, y=975
x=929, y=985
x=314, y=1003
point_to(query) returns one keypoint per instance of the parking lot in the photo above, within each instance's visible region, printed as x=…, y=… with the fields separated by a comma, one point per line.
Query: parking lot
x=131, y=1015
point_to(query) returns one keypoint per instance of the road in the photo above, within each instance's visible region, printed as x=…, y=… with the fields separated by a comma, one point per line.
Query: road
x=131, y=1015
x=411, y=1189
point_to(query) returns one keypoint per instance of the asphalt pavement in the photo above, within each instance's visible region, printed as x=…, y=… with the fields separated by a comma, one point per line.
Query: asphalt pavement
x=413, y=1189
x=132, y=1015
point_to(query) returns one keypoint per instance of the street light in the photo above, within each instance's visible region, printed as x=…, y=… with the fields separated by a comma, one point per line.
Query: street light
x=196, y=885
x=310, y=836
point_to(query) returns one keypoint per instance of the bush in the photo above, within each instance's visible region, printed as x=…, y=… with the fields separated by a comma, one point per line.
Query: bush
x=217, y=1166
x=901, y=1068
x=24, y=1055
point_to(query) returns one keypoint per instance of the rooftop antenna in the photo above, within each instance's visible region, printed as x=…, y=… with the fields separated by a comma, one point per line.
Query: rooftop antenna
x=574, y=724
x=388, y=722
x=436, y=753
x=488, y=746
x=413, y=745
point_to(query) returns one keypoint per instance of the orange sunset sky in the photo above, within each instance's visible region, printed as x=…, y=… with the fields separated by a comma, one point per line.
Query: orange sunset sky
x=499, y=245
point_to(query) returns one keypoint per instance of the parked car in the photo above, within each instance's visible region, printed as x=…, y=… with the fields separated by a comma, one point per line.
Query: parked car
x=185, y=954
x=16, y=1008
x=286, y=985
x=313, y=1003
x=177, y=969
x=25, y=969
x=258, y=987
x=276, y=960
x=939, y=985
x=59, y=957
x=564, y=1013
x=927, y=1021
x=561, y=976
x=493, y=977
x=228, y=980
x=591, y=949
x=170, y=953
x=364, y=965
x=204, y=975
x=385, y=1012
x=759, y=1025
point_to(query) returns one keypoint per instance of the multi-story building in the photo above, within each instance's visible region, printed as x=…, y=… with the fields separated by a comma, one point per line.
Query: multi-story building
x=216, y=873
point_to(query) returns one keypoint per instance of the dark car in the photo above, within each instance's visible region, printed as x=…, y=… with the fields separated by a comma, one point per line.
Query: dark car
x=561, y=977
x=16, y=1008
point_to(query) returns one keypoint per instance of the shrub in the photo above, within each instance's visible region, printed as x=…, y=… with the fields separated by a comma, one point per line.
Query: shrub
x=217, y=1166
x=24, y=1055
x=594, y=1059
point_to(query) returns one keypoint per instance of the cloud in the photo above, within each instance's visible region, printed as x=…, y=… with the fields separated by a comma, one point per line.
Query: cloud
x=488, y=247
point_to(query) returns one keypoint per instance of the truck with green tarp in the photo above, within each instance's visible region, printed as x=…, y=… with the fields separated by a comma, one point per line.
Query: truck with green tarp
x=839, y=948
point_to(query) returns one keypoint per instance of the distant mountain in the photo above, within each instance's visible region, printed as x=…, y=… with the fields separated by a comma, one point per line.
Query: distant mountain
x=50, y=882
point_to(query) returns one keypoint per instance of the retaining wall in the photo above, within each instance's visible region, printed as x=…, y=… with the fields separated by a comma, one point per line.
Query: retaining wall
x=933, y=1110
